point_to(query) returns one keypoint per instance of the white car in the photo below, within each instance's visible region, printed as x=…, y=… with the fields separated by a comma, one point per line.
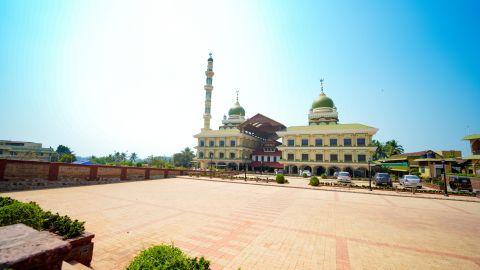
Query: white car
x=308, y=173
x=344, y=177
x=410, y=181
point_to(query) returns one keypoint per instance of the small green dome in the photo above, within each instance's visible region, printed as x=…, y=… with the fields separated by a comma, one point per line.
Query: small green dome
x=237, y=110
x=322, y=101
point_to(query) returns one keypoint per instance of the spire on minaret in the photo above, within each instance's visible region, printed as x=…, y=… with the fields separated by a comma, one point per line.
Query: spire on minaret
x=321, y=84
x=237, y=96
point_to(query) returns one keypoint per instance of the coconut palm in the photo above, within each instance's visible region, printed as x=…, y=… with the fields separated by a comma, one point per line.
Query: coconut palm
x=392, y=147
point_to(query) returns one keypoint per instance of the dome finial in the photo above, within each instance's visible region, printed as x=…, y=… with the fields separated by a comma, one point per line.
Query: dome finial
x=237, y=96
x=321, y=84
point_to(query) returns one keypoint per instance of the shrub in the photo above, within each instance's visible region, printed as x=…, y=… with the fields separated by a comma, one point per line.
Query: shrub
x=167, y=257
x=30, y=214
x=17, y=212
x=314, y=181
x=323, y=176
x=139, y=164
x=304, y=175
x=280, y=179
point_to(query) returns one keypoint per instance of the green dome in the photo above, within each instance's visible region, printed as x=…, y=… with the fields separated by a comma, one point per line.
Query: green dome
x=237, y=110
x=322, y=101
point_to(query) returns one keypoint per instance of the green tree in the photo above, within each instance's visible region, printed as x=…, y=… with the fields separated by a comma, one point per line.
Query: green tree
x=392, y=147
x=184, y=158
x=68, y=158
x=62, y=149
x=379, y=151
x=133, y=157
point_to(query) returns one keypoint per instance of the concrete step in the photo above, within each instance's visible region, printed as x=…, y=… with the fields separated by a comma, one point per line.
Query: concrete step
x=73, y=265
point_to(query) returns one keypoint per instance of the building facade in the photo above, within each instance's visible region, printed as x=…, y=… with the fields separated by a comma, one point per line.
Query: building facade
x=25, y=151
x=325, y=146
x=226, y=147
x=472, y=165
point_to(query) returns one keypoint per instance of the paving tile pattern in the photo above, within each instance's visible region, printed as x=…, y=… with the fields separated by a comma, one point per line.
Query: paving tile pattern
x=263, y=227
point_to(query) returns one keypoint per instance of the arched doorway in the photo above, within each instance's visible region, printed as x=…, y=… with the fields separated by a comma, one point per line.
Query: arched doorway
x=360, y=172
x=319, y=170
x=307, y=168
x=232, y=166
x=294, y=170
x=349, y=170
x=332, y=170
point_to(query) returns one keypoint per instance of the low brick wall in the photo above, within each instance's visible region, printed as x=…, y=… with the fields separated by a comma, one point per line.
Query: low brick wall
x=24, y=175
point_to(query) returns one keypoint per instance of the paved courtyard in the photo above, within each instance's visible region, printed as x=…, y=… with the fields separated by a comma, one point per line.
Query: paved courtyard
x=266, y=227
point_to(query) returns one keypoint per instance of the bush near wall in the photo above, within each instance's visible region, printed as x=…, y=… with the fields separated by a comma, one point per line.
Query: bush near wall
x=167, y=257
x=30, y=214
x=280, y=179
x=314, y=181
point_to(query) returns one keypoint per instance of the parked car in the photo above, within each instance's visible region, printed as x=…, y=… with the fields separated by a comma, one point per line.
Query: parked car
x=335, y=175
x=382, y=179
x=344, y=177
x=279, y=172
x=307, y=172
x=460, y=183
x=410, y=181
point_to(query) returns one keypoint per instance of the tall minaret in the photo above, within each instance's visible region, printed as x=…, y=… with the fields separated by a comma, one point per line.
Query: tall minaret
x=208, y=94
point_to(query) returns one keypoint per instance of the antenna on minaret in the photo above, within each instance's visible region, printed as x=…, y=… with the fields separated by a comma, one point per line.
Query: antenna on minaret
x=321, y=84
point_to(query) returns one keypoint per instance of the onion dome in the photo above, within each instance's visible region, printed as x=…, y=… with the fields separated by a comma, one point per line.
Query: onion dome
x=322, y=101
x=236, y=110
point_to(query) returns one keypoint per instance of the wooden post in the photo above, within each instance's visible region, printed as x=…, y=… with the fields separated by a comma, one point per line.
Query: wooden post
x=93, y=173
x=147, y=174
x=53, y=171
x=3, y=166
x=123, y=174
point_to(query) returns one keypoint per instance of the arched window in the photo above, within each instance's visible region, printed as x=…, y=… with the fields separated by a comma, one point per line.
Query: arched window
x=200, y=154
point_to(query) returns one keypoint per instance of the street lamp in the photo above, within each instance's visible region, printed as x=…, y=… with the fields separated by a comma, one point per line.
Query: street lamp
x=211, y=165
x=445, y=178
x=369, y=175
x=245, y=165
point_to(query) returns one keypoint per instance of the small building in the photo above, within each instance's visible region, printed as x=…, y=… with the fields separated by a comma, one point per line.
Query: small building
x=25, y=151
x=472, y=164
x=428, y=163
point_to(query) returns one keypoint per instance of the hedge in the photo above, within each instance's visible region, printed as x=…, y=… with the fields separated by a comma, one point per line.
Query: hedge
x=30, y=214
x=167, y=257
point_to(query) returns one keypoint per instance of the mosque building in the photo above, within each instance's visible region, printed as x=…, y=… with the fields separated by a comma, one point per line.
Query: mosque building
x=235, y=142
x=325, y=146
x=322, y=146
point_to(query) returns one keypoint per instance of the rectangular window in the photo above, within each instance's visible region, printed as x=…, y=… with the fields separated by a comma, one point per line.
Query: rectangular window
x=360, y=141
x=304, y=142
x=304, y=157
x=222, y=143
x=333, y=157
x=319, y=157
x=347, y=142
x=233, y=143
x=348, y=158
x=362, y=158
x=200, y=154
x=333, y=142
x=202, y=143
x=211, y=143
x=291, y=142
x=318, y=142
x=1, y=151
x=232, y=155
x=290, y=157
x=222, y=155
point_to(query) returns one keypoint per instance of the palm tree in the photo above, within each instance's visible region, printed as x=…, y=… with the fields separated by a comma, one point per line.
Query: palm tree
x=379, y=151
x=393, y=148
x=133, y=157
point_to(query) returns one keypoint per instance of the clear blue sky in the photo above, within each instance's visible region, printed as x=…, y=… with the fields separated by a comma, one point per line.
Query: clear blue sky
x=101, y=76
